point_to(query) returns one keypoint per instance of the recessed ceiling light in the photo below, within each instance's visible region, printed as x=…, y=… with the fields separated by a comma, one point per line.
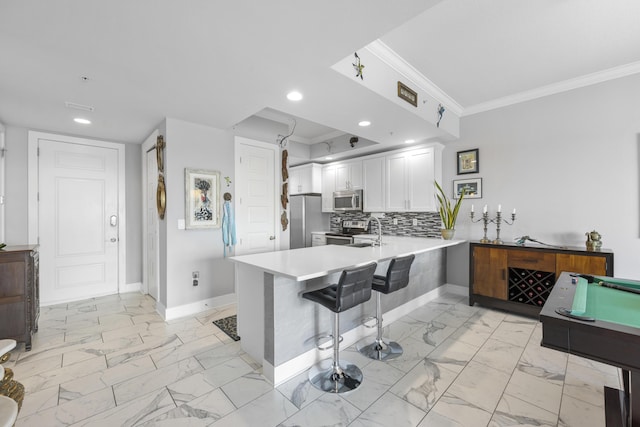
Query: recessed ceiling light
x=294, y=96
x=410, y=141
x=328, y=158
x=82, y=121
x=364, y=123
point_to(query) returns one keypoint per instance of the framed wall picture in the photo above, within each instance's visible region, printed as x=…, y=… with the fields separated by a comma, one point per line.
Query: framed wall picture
x=468, y=161
x=406, y=93
x=472, y=188
x=202, y=198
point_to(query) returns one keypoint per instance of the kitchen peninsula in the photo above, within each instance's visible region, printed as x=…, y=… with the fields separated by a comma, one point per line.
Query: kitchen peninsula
x=279, y=329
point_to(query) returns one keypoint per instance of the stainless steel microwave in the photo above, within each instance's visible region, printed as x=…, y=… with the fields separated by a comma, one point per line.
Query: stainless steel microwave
x=349, y=200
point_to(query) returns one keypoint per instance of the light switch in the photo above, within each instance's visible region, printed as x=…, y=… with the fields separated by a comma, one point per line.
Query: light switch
x=181, y=224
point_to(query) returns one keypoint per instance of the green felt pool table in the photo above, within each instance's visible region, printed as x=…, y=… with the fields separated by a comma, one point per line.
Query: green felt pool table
x=602, y=324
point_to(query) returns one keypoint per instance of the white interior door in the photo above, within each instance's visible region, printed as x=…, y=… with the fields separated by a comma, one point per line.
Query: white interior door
x=78, y=221
x=152, y=225
x=256, y=197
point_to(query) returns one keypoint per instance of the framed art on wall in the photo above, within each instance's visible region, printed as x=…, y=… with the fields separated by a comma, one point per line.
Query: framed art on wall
x=468, y=161
x=472, y=188
x=202, y=198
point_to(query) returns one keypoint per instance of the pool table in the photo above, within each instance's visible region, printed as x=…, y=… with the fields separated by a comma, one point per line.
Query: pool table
x=601, y=324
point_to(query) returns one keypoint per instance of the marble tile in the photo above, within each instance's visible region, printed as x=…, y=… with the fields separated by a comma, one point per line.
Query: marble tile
x=174, y=354
x=98, y=349
x=474, y=333
x=270, y=409
x=378, y=377
x=586, y=384
x=499, y=355
x=24, y=370
x=453, y=354
x=429, y=312
x=221, y=355
x=71, y=412
x=199, y=412
x=453, y=411
x=203, y=382
x=246, y=388
x=328, y=410
x=535, y=390
x=514, y=331
x=134, y=412
x=475, y=377
x=39, y=401
x=55, y=377
x=299, y=390
x=512, y=411
x=424, y=384
x=543, y=363
x=389, y=410
x=453, y=318
x=593, y=365
x=576, y=413
x=154, y=380
x=148, y=347
x=434, y=333
x=414, y=353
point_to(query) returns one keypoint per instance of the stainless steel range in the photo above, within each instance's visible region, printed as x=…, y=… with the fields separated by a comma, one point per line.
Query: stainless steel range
x=350, y=228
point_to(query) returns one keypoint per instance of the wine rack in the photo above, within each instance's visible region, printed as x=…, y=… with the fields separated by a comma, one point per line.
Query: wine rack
x=530, y=286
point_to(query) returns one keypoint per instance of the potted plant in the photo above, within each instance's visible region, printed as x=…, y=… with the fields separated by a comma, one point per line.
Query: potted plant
x=448, y=213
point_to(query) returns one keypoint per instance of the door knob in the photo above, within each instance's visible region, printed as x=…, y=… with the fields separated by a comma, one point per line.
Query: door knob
x=113, y=239
x=272, y=237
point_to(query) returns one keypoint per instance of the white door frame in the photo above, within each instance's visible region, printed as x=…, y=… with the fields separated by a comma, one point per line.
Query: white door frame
x=32, y=167
x=276, y=182
x=147, y=145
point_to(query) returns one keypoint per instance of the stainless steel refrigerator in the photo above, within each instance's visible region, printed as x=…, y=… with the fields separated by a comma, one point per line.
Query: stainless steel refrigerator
x=305, y=216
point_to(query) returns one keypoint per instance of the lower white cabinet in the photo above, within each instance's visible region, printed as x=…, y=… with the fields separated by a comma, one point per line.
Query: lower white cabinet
x=318, y=239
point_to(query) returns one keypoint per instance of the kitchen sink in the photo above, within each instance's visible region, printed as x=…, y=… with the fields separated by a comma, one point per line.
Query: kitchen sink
x=360, y=245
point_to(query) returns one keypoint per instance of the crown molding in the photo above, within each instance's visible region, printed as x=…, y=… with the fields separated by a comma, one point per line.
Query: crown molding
x=397, y=63
x=563, y=86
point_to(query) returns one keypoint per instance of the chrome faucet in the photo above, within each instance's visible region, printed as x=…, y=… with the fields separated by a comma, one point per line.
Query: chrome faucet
x=377, y=242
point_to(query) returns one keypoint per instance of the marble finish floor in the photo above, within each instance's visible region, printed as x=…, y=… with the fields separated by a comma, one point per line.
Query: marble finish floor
x=112, y=361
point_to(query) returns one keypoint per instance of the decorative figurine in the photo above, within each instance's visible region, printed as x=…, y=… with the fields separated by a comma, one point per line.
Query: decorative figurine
x=440, y=113
x=594, y=241
x=358, y=66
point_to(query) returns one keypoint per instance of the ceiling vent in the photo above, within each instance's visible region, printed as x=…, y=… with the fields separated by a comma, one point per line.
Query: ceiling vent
x=78, y=106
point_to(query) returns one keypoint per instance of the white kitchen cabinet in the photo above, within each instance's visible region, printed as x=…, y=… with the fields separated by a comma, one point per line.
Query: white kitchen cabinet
x=349, y=175
x=328, y=187
x=305, y=179
x=409, y=181
x=318, y=239
x=374, y=186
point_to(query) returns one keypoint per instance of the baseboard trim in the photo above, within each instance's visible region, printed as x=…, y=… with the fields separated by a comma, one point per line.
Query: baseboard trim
x=130, y=287
x=195, y=307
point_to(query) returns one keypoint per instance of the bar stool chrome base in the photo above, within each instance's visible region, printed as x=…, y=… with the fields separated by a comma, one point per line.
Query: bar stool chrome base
x=332, y=378
x=379, y=349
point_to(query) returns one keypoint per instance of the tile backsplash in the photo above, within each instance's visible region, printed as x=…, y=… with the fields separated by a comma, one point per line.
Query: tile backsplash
x=428, y=223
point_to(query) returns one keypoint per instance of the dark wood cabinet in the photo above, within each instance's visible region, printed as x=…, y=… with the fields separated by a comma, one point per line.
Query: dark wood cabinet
x=19, y=293
x=520, y=278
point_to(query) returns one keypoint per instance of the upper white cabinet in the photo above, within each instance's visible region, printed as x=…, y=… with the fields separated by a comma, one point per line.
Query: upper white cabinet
x=349, y=175
x=328, y=187
x=409, y=180
x=305, y=179
x=374, y=186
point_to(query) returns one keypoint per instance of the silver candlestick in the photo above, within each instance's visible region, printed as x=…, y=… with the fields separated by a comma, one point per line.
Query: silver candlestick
x=485, y=221
x=498, y=219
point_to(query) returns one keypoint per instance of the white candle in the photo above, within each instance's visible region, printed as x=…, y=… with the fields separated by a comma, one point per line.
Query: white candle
x=485, y=209
x=514, y=211
x=471, y=208
x=499, y=208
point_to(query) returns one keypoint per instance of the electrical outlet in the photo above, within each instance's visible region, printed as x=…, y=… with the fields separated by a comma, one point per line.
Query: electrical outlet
x=415, y=221
x=395, y=221
x=195, y=275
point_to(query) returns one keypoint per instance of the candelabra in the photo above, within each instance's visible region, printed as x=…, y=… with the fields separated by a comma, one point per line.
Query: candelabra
x=485, y=220
x=498, y=219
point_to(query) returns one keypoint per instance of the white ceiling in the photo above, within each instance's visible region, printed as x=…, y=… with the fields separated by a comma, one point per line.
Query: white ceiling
x=220, y=64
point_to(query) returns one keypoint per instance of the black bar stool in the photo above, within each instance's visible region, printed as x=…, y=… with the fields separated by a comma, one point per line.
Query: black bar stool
x=397, y=278
x=353, y=288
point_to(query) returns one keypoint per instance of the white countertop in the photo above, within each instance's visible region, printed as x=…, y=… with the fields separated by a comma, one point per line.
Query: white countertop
x=317, y=261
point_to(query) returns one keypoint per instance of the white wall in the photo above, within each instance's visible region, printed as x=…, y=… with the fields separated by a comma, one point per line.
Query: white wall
x=190, y=145
x=567, y=162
